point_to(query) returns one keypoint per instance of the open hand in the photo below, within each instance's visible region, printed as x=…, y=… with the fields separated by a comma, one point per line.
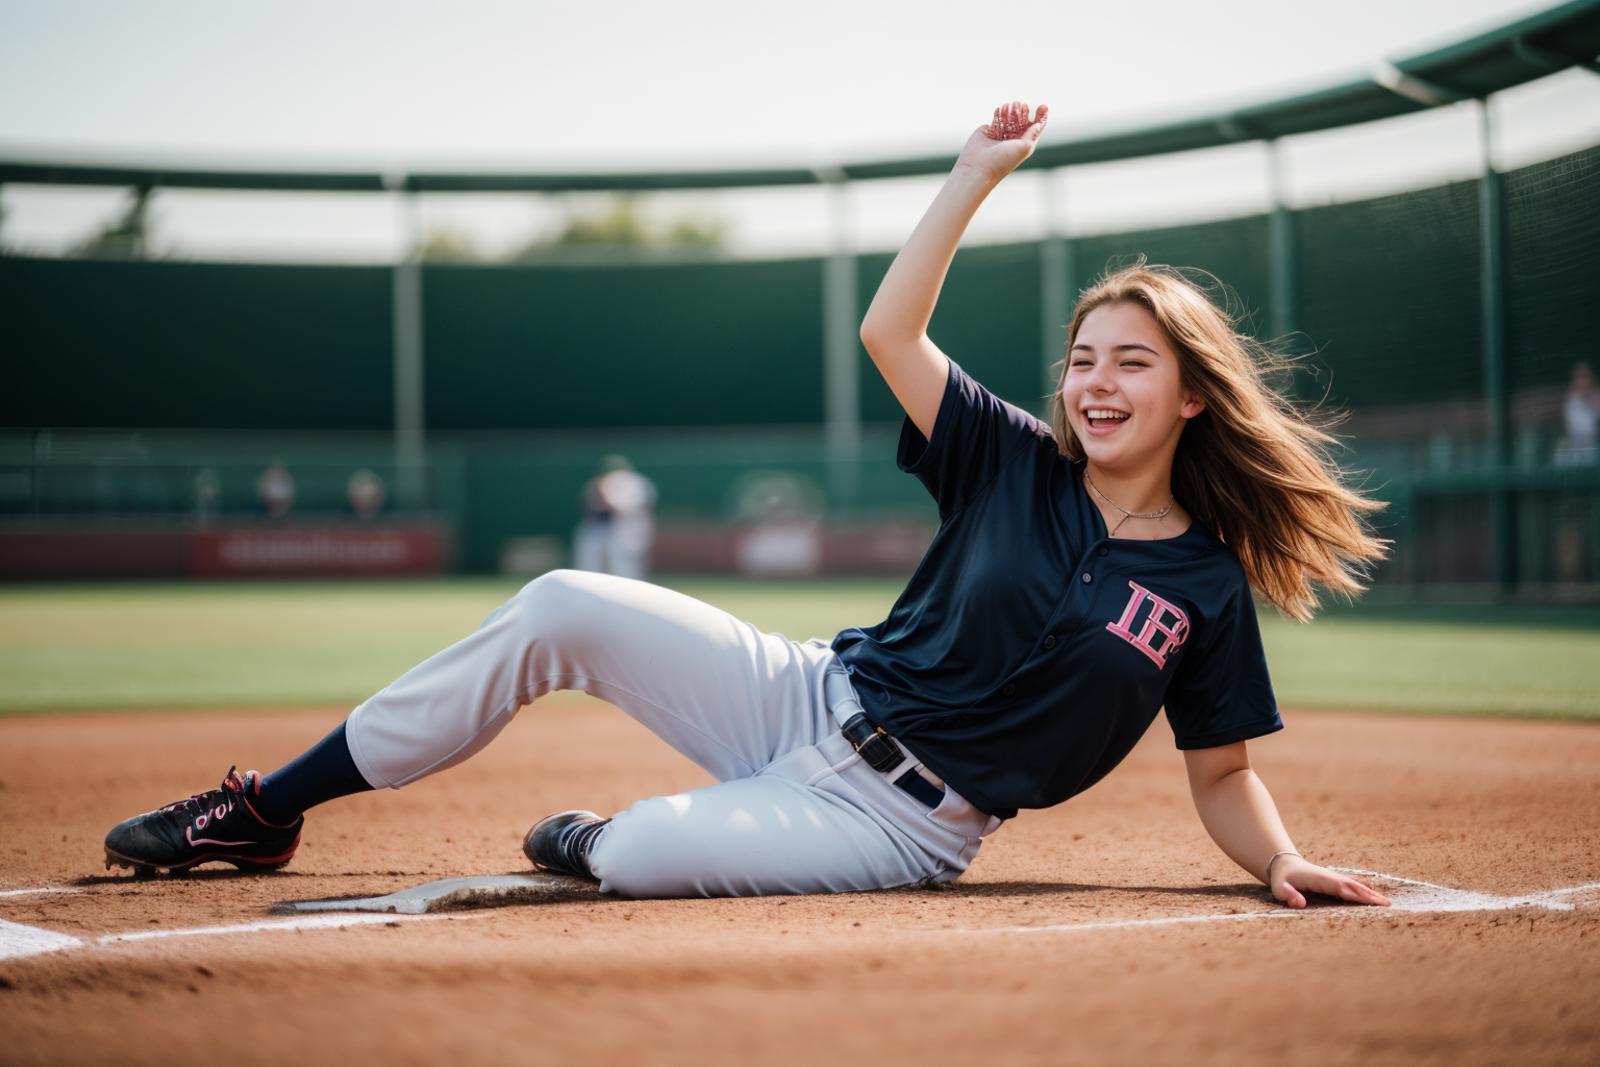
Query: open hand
x=1293, y=878
x=997, y=148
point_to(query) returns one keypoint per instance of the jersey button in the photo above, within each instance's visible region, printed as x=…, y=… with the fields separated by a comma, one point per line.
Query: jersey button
x=1087, y=577
x=1050, y=642
x=1009, y=690
x=1102, y=550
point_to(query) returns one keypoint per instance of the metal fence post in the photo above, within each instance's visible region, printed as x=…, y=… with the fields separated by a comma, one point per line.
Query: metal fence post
x=1492, y=298
x=1283, y=252
x=841, y=327
x=1056, y=284
x=410, y=446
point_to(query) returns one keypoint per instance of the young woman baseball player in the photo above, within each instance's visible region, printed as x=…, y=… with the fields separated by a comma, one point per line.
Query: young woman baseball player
x=1086, y=573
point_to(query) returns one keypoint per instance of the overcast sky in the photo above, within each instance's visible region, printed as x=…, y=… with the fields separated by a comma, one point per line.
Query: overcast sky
x=540, y=86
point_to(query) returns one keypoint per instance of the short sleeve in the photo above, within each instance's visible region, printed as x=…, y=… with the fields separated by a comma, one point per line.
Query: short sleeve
x=1222, y=692
x=974, y=434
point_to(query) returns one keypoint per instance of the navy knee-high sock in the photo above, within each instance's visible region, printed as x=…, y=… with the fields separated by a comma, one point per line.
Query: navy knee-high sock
x=320, y=773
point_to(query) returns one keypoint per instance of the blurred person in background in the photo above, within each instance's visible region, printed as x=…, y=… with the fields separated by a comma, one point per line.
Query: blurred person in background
x=1581, y=414
x=1578, y=447
x=618, y=525
x=275, y=490
x=365, y=493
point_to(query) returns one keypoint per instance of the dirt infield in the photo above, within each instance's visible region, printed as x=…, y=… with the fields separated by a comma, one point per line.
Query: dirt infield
x=1047, y=951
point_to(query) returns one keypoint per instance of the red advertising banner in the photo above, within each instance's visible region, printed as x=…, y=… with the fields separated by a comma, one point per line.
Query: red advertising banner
x=76, y=553
x=309, y=552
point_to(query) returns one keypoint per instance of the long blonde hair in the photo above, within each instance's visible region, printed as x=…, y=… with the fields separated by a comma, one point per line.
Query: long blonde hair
x=1252, y=466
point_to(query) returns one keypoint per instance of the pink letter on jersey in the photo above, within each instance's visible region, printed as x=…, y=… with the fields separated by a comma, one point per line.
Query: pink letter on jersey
x=1165, y=628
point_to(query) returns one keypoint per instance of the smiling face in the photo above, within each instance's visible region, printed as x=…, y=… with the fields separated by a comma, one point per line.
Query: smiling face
x=1123, y=391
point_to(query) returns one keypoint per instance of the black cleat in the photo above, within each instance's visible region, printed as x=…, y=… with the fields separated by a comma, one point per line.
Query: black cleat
x=219, y=824
x=560, y=843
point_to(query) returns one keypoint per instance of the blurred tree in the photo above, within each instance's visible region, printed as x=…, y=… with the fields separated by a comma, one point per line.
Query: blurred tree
x=124, y=237
x=621, y=225
x=701, y=232
x=447, y=244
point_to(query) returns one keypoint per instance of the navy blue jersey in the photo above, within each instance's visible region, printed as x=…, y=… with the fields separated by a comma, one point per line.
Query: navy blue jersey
x=1030, y=652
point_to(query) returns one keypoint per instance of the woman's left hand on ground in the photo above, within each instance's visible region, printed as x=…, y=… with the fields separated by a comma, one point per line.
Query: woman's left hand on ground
x=1293, y=878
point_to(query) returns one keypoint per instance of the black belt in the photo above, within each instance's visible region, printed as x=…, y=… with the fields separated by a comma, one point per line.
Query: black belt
x=879, y=751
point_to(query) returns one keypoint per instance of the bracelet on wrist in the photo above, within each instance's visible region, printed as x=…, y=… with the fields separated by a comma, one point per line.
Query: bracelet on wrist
x=1274, y=859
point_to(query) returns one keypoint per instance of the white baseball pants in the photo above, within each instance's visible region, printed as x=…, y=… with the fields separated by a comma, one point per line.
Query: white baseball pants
x=795, y=809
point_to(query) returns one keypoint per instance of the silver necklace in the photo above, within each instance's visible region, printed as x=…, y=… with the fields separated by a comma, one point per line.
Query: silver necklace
x=1126, y=514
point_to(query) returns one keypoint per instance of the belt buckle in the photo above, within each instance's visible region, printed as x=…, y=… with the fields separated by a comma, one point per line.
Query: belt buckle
x=872, y=743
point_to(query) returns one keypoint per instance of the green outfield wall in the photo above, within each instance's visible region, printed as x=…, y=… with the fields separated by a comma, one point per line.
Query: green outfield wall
x=91, y=343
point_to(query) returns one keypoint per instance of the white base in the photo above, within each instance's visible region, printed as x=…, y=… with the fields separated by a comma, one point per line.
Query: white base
x=480, y=891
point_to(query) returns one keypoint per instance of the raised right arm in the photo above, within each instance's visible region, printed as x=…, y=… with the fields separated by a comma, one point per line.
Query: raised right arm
x=895, y=329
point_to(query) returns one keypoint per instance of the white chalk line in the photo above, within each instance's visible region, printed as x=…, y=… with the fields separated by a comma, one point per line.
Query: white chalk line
x=40, y=889
x=1117, y=924
x=18, y=941
x=1432, y=898
x=1443, y=898
x=317, y=922
x=1587, y=887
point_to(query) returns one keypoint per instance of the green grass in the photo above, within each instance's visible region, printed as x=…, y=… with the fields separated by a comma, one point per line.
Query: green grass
x=257, y=645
